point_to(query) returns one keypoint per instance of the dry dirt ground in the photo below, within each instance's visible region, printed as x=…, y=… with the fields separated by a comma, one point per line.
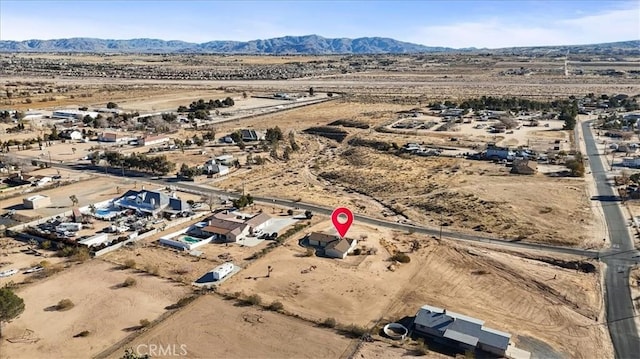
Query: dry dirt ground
x=212, y=327
x=13, y=255
x=102, y=307
x=333, y=174
x=555, y=305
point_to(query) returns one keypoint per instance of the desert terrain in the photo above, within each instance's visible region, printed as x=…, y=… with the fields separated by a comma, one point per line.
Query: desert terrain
x=551, y=308
x=557, y=306
x=108, y=311
x=214, y=327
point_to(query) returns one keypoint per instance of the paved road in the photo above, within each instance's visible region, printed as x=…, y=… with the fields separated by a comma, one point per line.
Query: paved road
x=118, y=172
x=620, y=313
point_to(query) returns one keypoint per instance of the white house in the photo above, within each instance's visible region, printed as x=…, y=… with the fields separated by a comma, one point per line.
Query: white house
x=73, y=114
x=95, y=240
x=152, y=140
x=259, y=222
x=214, y=168
x=36, y=201
x=71, y=134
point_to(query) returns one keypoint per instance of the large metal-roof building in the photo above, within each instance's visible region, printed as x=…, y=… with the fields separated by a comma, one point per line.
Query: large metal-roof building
x=459, y=330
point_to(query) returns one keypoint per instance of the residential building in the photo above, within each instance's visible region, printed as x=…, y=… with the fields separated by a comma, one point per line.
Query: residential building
x=73, y=114
x=36, y=201
x=152, y=140
x=226, y=231
x=459, y=331
x=153, y=203
x=332, y=246
x=499, y=153
x=108, y=137
x=71, y=134
x=211, y=168
x=251, y=135
x=226, y=160
x=524, y=166
x=259, y=222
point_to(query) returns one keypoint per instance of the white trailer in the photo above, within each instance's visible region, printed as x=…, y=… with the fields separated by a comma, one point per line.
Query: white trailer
x=222, y=270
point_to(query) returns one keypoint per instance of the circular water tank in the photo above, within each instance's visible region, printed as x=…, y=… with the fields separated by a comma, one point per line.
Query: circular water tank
x=395, y=331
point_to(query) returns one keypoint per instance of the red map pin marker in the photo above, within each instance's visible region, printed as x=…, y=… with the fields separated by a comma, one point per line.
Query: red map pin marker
x=342, y=227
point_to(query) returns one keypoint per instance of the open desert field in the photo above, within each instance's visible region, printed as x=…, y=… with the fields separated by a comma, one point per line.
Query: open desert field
x=106, y=310
x=212, y=327
x=527, y=297
x=429, y=190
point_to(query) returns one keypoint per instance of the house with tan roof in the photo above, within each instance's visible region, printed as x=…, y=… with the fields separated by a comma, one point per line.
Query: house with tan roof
x=330, y=245
x=224, y=230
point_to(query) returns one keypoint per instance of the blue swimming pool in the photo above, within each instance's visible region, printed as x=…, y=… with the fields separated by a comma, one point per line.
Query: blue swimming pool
x=106, y=212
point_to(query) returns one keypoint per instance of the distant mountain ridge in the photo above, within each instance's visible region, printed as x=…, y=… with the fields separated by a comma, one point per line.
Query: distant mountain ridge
x=309, y=44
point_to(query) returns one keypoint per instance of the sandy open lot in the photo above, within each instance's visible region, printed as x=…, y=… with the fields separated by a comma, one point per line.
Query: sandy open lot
x=107, y=311
x=561, y=312
x=13, y=255
x=212, y=327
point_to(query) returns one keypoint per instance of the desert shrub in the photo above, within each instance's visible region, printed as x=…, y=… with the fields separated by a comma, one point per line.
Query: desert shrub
x=82, y=334
x=310, y=252
x=50, y=270
x=182, y=270
x=64, y=304
x=355, y=331
x=81, y=254
x=184, y=301
x=253, y=299
x=129, y=282
x=329, y=323
x=45, y=245
x=357, y=252
x=276, y=306
x=145, y=323
x=130, y=263
x=152, y=269
x=421, y=347
x=480, y=272
x=401, y=257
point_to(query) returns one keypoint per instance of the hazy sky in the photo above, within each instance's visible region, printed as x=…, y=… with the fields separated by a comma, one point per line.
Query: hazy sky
x=471, y=23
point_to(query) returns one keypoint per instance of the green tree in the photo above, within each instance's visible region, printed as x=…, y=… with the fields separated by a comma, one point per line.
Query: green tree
x=129, y=353
x=11, y=306
x=311, y=91
x=112, y=105
x=274, y=135
x=568, y=115
x=576, y=165
x=243, y=201
x=74, y=200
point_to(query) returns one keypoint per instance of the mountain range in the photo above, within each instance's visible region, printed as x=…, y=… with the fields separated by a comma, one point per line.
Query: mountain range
x=309, y=44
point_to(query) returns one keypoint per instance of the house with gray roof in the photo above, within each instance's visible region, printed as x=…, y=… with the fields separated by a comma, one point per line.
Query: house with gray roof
x=457, y=330
x=152, y=203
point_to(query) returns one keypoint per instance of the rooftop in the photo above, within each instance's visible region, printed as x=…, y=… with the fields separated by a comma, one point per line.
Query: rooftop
x=461, y=328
